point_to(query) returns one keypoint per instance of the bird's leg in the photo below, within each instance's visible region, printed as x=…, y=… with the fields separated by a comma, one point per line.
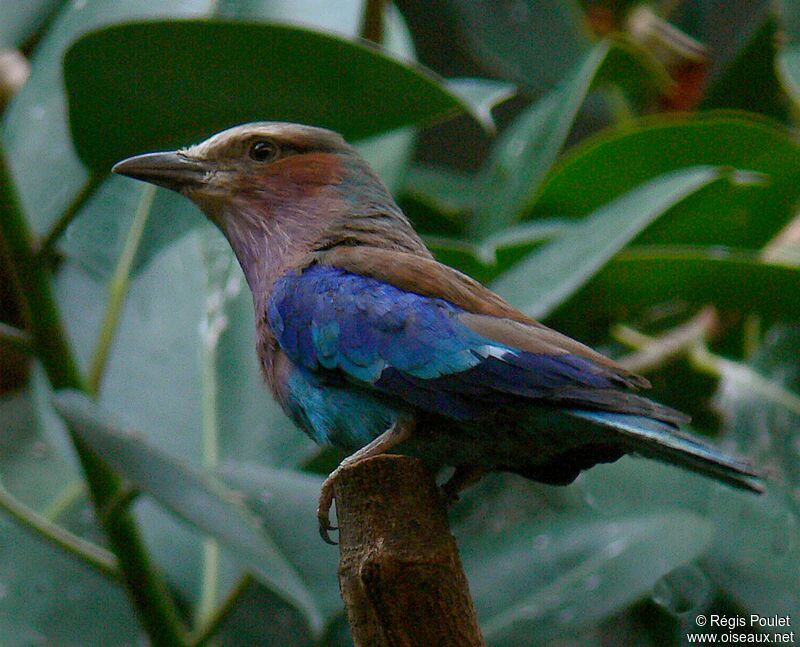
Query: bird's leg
x=393, y=436
x=462, y=478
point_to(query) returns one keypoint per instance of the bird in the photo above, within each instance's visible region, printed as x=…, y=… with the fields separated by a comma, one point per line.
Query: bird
x=370, y=344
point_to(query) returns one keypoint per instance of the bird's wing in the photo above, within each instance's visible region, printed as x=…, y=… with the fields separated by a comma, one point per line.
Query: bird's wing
x=428, y=277
x=433, y=353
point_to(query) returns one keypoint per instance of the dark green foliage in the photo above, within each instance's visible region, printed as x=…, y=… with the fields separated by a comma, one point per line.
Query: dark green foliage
x=614, y=221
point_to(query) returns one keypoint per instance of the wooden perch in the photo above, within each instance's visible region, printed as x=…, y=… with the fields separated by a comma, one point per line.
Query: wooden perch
x=399, y=571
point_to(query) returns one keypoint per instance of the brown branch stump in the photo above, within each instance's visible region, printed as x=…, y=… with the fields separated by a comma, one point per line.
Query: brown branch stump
x=399, y=571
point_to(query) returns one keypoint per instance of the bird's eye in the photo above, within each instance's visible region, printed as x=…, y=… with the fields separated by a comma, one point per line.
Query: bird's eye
x=263, y=150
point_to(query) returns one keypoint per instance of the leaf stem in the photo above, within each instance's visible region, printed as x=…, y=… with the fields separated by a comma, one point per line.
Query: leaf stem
x=98, y=558
x=214, y=325
x=654, y=352
x=64, y=500
x=716, y=366
x=15, y=338
x=372, y=21
x=49, y=240
x=144, y=584
x=118, y=289
x=221, y=613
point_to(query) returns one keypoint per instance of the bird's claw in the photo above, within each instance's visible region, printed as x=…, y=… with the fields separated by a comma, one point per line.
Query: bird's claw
x=324, y=510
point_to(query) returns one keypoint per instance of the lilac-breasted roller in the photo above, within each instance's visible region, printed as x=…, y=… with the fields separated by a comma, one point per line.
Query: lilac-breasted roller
x=370, y=344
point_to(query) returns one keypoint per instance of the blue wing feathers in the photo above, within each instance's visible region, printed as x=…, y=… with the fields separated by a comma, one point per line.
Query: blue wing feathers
x=411, y=346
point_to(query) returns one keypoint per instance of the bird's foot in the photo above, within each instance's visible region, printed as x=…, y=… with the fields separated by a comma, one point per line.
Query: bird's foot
x=395, y=435
x=324, y=508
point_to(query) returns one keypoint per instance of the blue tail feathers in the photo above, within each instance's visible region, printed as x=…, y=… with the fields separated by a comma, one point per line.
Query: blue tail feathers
x=664, y=442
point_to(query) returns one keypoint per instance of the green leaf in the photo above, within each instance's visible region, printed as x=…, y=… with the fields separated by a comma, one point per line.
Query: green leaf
x=523, y=155
x=750, y=82
x=96, y=236
x=642, y=277
x=195, y=496
x=286, y=502
x=573, y=571
x=547, y=277
x=38, y=581
x=183, y=362
x=757, y=556
x=760, y=403
x=789, y=71
x=528, y=147
x=120, y=71
x=34, y=127
x=533, y=43
x=615, y=162
x=437, y=200
x=259, y=620
x=160, y=367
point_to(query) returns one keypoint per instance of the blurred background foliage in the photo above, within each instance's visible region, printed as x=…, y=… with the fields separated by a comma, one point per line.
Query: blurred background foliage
x=628, y=172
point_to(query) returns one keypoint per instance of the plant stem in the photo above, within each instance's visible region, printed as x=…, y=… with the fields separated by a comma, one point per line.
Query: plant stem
x=212, y=623
x=716, y=366
x=118, y=289
x=15, y=338
x=372, y=21
x=212, y=330
x=64, y=500
x=46, y=330
x=654, y=352
x=49, y=240
x=95, y=556
x=144, y=584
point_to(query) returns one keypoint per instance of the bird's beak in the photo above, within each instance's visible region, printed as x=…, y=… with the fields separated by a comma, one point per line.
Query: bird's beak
x=172, y=170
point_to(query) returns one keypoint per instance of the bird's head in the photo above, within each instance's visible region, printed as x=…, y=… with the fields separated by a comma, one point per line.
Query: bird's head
x=265, y=163
x=278, y=190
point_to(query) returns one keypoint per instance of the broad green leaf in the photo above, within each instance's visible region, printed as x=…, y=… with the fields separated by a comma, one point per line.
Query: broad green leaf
x=38, y=581
x=182, y=369
x=116, y=76
x=547, y=277
x=95, y=238
x=757, y=556
x=788, y=59
x=195, y=496
x=756, y=553
x=37, y=121
x=34, y=128
x=259, y=620
x=527, y=149
x=286, y=502
x=20, y=20
x=550, y=578
x=642, y=277
x=615, y=162
x=187, y=329
x=532, y=43
x=750, y=81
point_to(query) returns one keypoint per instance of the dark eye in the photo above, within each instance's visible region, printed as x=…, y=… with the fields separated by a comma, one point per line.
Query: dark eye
x=263, y=150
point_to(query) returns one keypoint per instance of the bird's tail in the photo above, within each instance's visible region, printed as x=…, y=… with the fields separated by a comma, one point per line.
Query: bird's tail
x=663, y=442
